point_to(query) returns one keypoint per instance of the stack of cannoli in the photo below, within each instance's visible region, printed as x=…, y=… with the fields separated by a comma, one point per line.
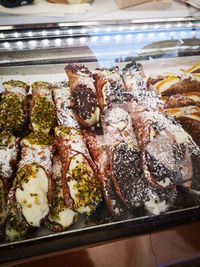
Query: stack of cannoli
x=169, y=156
x=105, y=136
x=80, y=185
x=181, y=95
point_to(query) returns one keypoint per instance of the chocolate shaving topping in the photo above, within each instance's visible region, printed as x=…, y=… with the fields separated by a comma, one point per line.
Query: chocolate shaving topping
x=84, y=101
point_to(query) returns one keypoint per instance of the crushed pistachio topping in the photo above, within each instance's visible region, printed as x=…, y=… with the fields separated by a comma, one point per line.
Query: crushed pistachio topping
x=87, y=187
x=58, y=202
x=16, y=83
x=67, y=132
x=12, y=115
x=41, y=84
x=39, y=138
x=25, y=173
x=6, y=138
x=43, y=114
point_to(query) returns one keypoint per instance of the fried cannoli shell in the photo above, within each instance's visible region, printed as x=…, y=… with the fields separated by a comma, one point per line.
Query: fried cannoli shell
x=83, y=94
x=143, y=98
x=171, y=85
x=99, y=155
x=9, y=150
x=17, y=87
x=110, y=87
x=42, y=108
x=134, y=77
x=123, y=154
x=191, y=126
x=60, y=217
x=62, y=100
x=17, y=227
x=41, y=88
x=70, y=144
x=176, y=101
x=3, y=207
x=186, y=85
x=38, y=148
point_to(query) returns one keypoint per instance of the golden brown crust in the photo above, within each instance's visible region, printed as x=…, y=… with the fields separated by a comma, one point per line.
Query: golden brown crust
x=191, y=126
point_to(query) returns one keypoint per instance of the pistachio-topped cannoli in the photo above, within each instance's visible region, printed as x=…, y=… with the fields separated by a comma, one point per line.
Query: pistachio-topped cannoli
x=13, y=106
x=43, y=113
x=83, y=95
x=81, y=185
x=60, y=216
x=99, y=154
x=31, y=193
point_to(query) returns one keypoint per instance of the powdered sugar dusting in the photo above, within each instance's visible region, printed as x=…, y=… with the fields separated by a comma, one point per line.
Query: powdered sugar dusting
x=36, y=154
x=65, y=115
x=7, y=155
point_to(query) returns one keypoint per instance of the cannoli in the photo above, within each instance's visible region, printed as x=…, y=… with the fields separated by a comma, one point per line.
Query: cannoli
x=189, y=118
x=62, y=100
x=194, y=69
x=31, y=194
x=83, y=95
x=110, y=88
x=60, y=216
x=13, y=106
x=80, y=181
x=9, y=148
x=171, y=85
x=43, y=113
x=167, y=150
x=183, y=100
x=99, y=154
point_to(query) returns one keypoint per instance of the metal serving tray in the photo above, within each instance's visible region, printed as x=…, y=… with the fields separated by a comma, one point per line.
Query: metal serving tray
x=30, y=53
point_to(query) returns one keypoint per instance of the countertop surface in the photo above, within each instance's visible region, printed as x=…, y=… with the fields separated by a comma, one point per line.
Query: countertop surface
x=177, y=246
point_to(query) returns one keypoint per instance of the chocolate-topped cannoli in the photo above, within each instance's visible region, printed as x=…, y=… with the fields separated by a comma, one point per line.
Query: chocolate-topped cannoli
x=126, y=165
x=110, y=87
x=98, y=151
x=43, y=112
x=60, y=216
x=31, y=193
x=167, y=150
x=62, y=100
x=80, y=181
x=83, y=95
x=13, y=106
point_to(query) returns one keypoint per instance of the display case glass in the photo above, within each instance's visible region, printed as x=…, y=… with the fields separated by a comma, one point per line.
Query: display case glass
x=163, y=47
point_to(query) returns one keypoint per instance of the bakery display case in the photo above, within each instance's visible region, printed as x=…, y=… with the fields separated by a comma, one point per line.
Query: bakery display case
x=100, y=125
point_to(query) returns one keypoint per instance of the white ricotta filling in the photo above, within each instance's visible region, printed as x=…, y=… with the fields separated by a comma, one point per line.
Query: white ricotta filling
x=155, y=206
x=164, y=182
x=94, y=118
x=65, y=218
x=33, y=198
